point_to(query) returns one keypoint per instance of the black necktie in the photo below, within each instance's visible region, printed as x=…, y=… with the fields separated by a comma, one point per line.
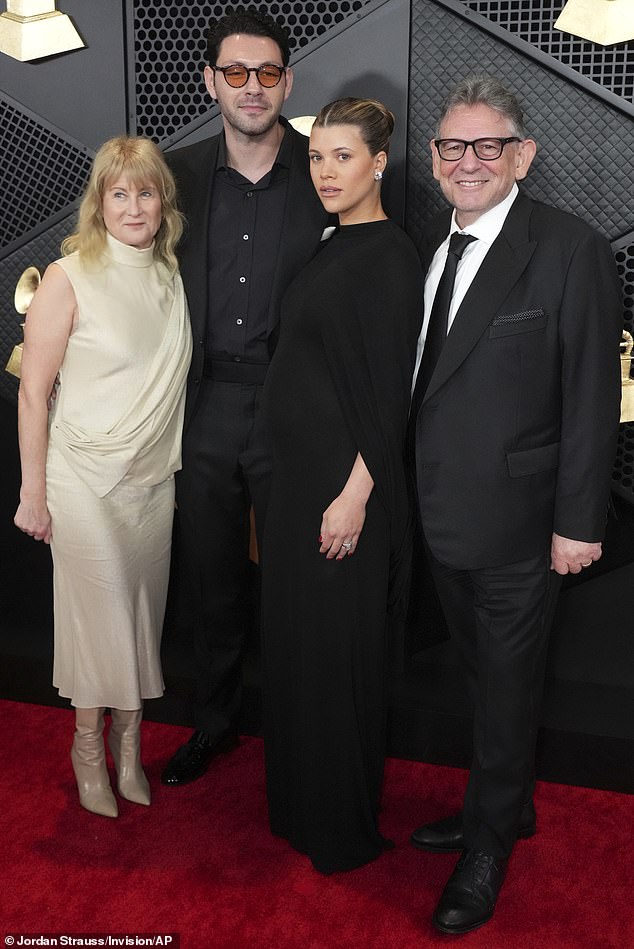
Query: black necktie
x=439, y=318
x=437, y=326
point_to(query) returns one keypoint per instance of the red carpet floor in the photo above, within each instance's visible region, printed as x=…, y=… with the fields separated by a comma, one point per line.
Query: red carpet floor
x=200, y=861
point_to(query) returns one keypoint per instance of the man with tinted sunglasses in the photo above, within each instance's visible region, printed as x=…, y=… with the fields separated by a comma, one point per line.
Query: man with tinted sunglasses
x=253, y=221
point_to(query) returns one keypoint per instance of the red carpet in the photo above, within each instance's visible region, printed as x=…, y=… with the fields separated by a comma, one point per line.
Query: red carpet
x=200, y=861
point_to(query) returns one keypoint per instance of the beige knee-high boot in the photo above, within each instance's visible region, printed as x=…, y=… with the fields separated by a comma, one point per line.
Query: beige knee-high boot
x=89, y=763
x=124, y=741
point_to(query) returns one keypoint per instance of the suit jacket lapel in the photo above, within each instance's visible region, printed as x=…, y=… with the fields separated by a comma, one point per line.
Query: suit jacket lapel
x=304, y=221
x=500, y=270
x=194, y=265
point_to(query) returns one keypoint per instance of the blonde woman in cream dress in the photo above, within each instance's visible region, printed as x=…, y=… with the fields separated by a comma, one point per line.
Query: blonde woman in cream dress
x=98, y=475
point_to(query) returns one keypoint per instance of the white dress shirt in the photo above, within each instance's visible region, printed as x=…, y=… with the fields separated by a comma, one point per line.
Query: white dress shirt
x=486, y=229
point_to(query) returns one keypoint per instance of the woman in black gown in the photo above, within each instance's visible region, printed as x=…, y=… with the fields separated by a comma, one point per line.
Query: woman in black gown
x=337, y=531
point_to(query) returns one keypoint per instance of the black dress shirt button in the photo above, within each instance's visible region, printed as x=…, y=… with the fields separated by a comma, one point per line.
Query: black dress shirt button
x=237, y=359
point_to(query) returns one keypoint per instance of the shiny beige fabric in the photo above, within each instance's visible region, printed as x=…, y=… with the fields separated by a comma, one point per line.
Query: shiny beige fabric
x=119, y=412
x=113, y=448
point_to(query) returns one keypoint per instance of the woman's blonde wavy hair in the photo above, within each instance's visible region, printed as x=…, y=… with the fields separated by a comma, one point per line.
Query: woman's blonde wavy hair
x=143, y=163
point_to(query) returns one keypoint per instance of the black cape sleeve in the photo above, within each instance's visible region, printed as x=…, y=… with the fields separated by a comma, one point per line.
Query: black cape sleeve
x=370, y=344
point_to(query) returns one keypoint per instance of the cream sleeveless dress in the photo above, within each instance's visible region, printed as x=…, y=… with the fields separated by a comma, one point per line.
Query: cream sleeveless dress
x=114, y=445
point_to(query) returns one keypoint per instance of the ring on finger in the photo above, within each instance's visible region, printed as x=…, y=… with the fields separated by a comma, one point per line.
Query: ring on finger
x=347, y=545
x=588, y=564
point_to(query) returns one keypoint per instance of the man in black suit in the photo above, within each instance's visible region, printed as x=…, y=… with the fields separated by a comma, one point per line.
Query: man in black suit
x=253, y=221
x=515, y=418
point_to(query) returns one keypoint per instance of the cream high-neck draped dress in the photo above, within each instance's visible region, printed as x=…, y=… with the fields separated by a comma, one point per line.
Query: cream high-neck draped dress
x=114, y=445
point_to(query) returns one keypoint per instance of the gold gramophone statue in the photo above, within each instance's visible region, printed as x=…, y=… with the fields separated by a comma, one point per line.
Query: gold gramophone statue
x=627, y=383
x=24, y=291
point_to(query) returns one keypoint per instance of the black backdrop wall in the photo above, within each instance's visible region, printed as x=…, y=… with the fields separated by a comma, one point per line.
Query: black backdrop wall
x=141, y=72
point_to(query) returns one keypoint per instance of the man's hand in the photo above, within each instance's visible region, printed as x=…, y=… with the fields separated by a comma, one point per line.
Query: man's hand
x=570, y=556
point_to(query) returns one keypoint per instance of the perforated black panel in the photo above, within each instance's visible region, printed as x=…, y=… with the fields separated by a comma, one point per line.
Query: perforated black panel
x=533, y=21
x=169, y=50
x=42, y=173
x=37, y=253
x=625, y=265
x=623, y=477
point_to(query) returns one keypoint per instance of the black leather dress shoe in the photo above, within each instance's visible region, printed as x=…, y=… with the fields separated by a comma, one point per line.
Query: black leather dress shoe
x=192, y=759
x=472, y=890
x=445, y=836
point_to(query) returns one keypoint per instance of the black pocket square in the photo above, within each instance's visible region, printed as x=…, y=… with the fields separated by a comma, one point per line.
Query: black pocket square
x=517, y=317
x=517, y=324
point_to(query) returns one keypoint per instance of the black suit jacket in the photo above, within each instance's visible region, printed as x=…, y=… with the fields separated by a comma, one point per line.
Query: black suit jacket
x=516, y=435
x=194, y=168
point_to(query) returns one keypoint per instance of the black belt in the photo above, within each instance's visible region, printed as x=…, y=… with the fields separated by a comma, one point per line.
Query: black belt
x=221, y=370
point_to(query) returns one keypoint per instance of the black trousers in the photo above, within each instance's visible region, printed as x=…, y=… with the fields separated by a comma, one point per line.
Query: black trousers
x=500, y=619
x=226, y=469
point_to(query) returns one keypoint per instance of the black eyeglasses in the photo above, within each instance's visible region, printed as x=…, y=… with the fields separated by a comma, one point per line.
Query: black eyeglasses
x=236, y=75
x=486, y=149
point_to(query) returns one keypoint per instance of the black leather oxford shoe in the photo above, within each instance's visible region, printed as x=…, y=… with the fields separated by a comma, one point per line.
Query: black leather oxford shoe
x=192, y=759
x=469, y=897
x=445, y=835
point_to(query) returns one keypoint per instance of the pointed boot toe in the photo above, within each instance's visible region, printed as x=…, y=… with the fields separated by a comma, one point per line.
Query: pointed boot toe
x=124, y=742
x=89, y=764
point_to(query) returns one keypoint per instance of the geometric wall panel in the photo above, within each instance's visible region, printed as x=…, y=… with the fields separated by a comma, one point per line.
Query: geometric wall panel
x=169, y=53
x=42, y=172
x=83, y=91
x=612, y=67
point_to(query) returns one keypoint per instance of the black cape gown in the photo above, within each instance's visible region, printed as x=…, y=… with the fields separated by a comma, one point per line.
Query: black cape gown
x=339, y=384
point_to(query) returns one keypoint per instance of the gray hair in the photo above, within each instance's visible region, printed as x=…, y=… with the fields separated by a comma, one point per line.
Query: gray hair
x=485, y=90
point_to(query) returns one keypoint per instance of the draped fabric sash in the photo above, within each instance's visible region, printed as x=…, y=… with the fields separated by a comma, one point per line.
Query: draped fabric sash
x=145, y=442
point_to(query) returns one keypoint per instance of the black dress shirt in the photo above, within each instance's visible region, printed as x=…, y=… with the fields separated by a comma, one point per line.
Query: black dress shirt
x=245, y=230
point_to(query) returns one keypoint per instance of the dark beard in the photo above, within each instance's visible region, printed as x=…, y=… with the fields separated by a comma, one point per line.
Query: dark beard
x=270, y=120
